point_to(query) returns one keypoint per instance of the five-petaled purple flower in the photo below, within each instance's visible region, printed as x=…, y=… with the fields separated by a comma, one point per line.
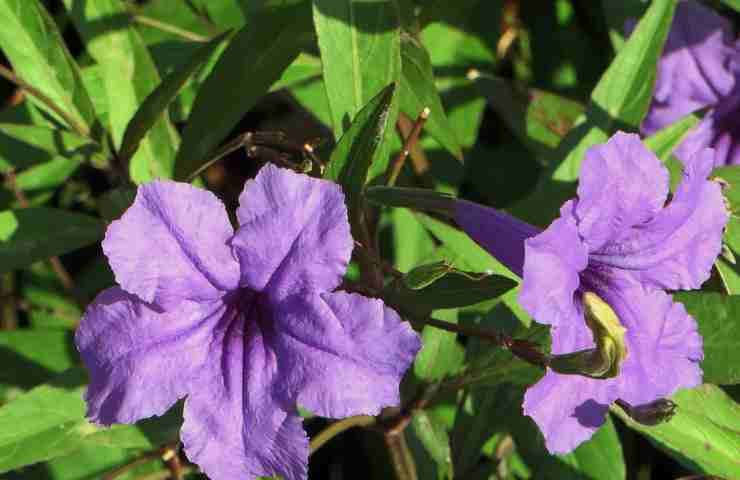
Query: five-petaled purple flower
x=699, y=69
x=243, y=324
x=620, y=240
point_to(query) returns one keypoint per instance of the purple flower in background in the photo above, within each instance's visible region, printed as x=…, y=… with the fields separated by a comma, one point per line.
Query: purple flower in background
x=243, y=324
x=620, y=240
x=699, y=69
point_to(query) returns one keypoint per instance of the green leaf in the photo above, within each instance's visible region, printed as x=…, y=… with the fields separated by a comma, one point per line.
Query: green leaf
x=418, y=91
x=358, y=149
x=49, y=422
x=129, y=76
x=623, y=95
x=155, y=105
x=411, y=242
x=255, y=58
x=540, y=119
x=599, y=458
x=31, y=234
x=361, y=55
x=732, y=4
x=454, y=290
x=51, y=154
x=441, y=354
x=430, y=444
x=35, y=48
x=704, y=433
x=415, y=198
x=717, y=316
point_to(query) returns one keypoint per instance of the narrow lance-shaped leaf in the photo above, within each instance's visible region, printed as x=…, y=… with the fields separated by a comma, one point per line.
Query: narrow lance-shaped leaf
x=361, y=54
x=255, y=58
x=49, y=422
x=419, y=91
x=717, y=317
x=155, y=105
x=129, y=75
x=704, y=433
x=352, y=157
x=30, y=39
x=37, y=233
x=623, y=95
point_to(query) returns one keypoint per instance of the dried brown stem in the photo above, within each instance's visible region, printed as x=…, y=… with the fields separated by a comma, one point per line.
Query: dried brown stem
x=419, y=161
x=409, y=143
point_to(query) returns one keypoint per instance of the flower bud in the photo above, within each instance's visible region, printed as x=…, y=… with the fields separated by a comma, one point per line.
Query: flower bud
x=653, y=413
x=606, y=359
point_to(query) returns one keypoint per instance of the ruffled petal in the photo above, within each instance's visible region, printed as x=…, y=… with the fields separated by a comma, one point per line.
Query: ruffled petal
x=664, y=345
x=342, y=354
x=621, y=184
x=719, y=130
x=171, y=245
x=141, y=361
x=677, y=248
x=498, y=232
x=294, y=233
x=696, y=69
x=552, y=263
x=568, y=409
x=235, y=426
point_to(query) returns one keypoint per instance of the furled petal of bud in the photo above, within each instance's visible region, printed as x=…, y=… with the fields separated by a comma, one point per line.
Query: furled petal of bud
x=653, y=413
x=605, y=360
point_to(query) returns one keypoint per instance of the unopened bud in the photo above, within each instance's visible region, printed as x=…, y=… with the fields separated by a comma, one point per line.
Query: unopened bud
x=606, y=359
x=653, y=413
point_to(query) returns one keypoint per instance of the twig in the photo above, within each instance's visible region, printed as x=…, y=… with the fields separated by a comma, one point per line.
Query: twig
x=338, y=427
x=166, y=27
x=409, y=143
x=74, y=124
x=167, y=454
x=147, y=457
x=401, y=458
x=419, y=161
x=64, y=277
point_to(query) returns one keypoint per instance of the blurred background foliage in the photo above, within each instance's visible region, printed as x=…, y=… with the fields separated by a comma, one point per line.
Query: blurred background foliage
x=99, y=95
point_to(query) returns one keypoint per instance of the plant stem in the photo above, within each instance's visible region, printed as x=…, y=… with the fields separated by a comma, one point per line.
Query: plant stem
x=338, y=427
x=419, y=160
x=166, y=27
x=409, y=143
x=74, y=124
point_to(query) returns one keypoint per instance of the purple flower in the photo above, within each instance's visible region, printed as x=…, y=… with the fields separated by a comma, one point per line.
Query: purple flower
x=244, y=325
x=620, y=240
x=699, y=69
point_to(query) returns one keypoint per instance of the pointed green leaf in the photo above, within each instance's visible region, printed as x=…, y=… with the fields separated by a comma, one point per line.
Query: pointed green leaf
x=733, y=4
x=717, y=316
x=623, y=95
x=31, y=357
x=704, y=433
x=155, y=105
x=430, y=444
x=32, y=42
x=418, y=91
x=31, y=234
x=414, y=198
x=358, y=149
x=49, y=422
x=361, y=55
x=255, y=58
x=129, y=76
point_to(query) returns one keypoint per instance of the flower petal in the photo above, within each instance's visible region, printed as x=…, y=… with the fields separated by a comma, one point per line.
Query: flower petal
x=141, y=361
x=677, y=248
x=171, y=245
x=696, y=68
x=719, y=130
x=664, y=346
x=621, y=184
x=294, y=233
x=498, y=232
x=568, y=409
x=235, y=427
x=552, y=264
x=342, y=354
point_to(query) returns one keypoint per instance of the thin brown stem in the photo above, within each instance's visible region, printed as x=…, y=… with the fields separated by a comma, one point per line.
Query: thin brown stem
x=409, y=143
x=419, y=161
x=146, y=458
x=339, y=427
x=401, y=458
x=74, y=124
